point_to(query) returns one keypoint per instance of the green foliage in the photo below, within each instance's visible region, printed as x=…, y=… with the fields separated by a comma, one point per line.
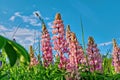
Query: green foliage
x=24, y=72
x=11, y=53
x=13, y=50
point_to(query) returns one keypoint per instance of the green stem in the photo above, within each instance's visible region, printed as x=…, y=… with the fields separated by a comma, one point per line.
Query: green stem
x=84, y=48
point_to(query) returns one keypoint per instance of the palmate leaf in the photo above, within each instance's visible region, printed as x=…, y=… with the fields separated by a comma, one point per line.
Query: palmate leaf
x=13, y=50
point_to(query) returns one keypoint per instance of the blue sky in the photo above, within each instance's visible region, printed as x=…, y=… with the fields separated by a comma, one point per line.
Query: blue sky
x=100, y=19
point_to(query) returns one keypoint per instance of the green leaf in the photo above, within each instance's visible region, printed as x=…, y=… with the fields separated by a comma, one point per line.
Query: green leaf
x=20, y=50
x=2, y=76
x=11, y=53
x=2, y=42
x=13, y=50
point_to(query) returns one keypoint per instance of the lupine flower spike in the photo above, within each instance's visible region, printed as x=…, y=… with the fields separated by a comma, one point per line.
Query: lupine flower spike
x=33, y=60
x=75, y=49
x=116, y=56
x=46, y=47
x=68, y=37
x=68, y=31
x=76, y=55
x=59, y=41
x=60, y=44
x=94, y=57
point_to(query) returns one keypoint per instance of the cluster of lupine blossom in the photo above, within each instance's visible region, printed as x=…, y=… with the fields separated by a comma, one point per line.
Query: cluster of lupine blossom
x=46, y=47
x=116, y=56
x=59, y=41
x=66, y=43
x=94, y=57
x=33, y=59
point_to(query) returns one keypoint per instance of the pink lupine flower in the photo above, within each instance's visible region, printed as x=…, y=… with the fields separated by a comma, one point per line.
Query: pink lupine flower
x=94, y=57
x=63, y=61
x=59, y=34
x=46, y=47
x=68, y=35
x=33, y=60
x=59, y=41
x=75, y=49
x=68, y=31
x=116, y=56
x=76, y=55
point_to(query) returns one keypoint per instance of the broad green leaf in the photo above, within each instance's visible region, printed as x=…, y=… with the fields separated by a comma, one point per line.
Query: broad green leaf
x=13, y=49
x=11, y=53
x=2, y=42
x=20, y=51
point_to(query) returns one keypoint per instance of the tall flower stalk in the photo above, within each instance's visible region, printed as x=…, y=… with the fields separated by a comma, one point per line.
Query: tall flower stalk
x=59, y=41
x=76, y=54
x=33, y=60
x=75, y=49
x=94, y=57
x=116, y=56
x=46, y=47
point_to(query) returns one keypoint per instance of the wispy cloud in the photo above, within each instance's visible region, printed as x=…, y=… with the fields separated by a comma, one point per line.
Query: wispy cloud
x=105, y=43
x=50, y=26
x=12, y=18
x=2, y=28
x=23, y=36
x=32, y=20
x=47, y=18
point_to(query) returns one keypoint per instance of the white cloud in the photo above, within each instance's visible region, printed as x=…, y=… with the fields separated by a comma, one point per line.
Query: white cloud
x=105, y=43
x=50, y=26
x=12, y=18
x=17, y=14
x=47, y=18
x=32, y=20
x=2, y=28
x=23, y=36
